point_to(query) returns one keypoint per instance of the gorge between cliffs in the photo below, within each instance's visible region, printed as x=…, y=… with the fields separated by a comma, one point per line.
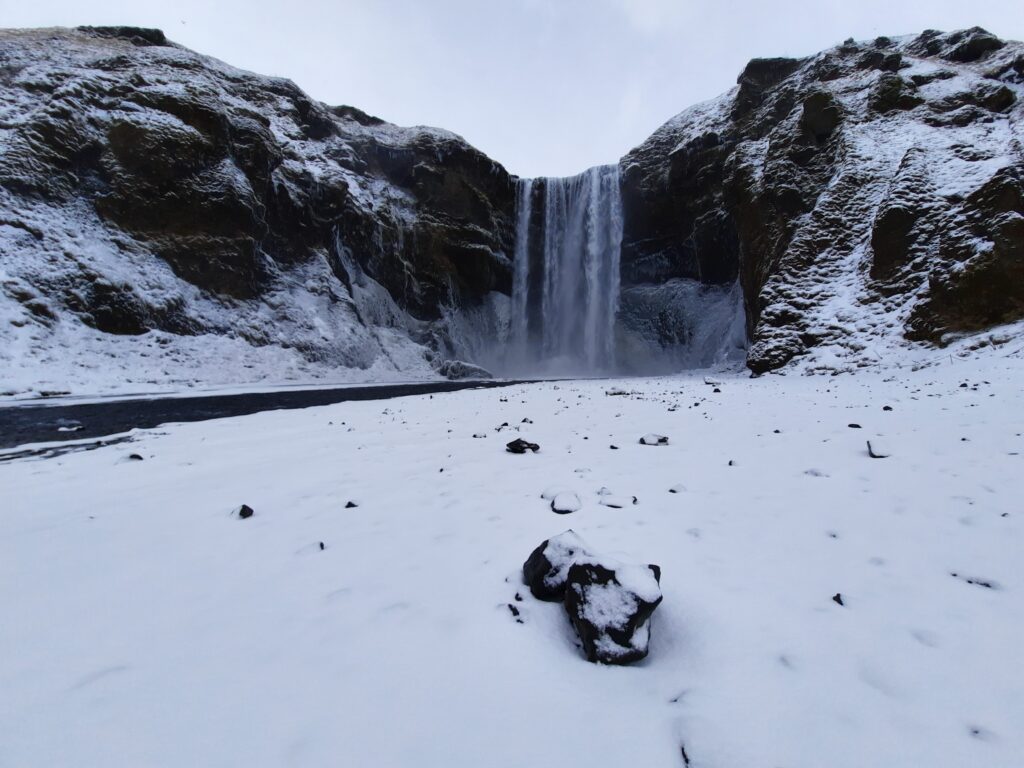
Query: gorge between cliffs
x=192, y=223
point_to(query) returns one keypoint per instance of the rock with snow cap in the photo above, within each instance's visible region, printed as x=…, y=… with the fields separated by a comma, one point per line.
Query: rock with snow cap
x=564, y=503
x=545, y=570
x=652, y=439
x=610, y=605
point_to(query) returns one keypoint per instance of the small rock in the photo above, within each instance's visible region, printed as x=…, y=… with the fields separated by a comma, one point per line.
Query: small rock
x=554, y=490
x=617, y=502
x=244, y=512
x=853, y=426
x=134, y=457
x=565, y=503
x=545, y=570
x=321, y=546
x=876, y=451
x=614, y=447
x=653, y=439
x=521, y=446
x=479, y=435
x=677, y=488
x=610, y=605
x=886, y=407
x=350, y=505
x=838, y=598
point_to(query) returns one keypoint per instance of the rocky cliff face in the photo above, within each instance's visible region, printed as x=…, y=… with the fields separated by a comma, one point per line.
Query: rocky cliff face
x=865, y=194
x=171, y=218
x=145, y=189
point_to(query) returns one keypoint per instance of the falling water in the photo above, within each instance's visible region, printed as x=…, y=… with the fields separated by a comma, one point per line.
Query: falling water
x=566, y=277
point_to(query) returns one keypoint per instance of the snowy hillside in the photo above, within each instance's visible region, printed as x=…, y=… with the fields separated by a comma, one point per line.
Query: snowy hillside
x=820, y=607
x=864, y=197
x=168, y=220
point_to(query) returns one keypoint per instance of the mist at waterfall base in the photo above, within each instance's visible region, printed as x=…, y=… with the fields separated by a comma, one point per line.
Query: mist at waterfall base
x=569, y=314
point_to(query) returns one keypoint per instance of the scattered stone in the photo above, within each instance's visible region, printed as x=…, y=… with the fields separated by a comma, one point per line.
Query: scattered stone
x=321, y=546
x=134, y=457
x=521, y=446
x=617, y=502
x=653, y=439
x=876, y=452
x=565, y=503
x=610, y=605
x=854, y=426
x=545, y=570
x=244, y=512
x=838, y=598
x=526, y=421
x=614, y=447
x=886, y=407
x=479, y=435
x=677, y=488
x=353, y=505
x=554, y=490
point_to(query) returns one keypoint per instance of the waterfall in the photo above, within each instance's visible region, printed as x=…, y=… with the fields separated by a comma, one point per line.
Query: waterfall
x=566, y=272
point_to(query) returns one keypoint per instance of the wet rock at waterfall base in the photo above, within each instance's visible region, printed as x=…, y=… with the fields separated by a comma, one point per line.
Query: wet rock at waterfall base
x=653, y=439
x=456, y=370
x=610, y=605
x=521, y=446
x=545, y=570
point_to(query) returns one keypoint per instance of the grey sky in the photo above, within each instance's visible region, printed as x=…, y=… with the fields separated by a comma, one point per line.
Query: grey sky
x=546, y=87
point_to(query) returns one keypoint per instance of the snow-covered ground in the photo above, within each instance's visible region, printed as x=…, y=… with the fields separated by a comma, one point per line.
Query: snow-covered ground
x=144, y=625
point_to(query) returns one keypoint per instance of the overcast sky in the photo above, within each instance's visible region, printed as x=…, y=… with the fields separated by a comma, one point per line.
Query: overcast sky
x=546, y=87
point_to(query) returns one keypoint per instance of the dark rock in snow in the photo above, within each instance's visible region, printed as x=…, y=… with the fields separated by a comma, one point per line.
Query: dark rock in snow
x=653, y=439
x=610, y=605
x=875, y=452
x=565, y=503
x=350, y=505
x=134, y=457
x=521, y=446
x=545, y=571
x=838, y=598
x=244, y=512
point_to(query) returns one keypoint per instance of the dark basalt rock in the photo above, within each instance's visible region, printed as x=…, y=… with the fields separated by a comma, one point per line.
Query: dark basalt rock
x=244, y=512
x=140, y=36
x=610, y=606
x=546, y=569
x=521, y=446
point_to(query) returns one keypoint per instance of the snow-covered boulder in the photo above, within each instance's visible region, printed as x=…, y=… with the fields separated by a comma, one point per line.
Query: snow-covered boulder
x=610, y=605
x=653, y=439
x=564, y=503
x=545, y=570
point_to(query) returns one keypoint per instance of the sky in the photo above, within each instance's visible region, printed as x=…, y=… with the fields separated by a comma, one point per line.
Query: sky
x=545, y=87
